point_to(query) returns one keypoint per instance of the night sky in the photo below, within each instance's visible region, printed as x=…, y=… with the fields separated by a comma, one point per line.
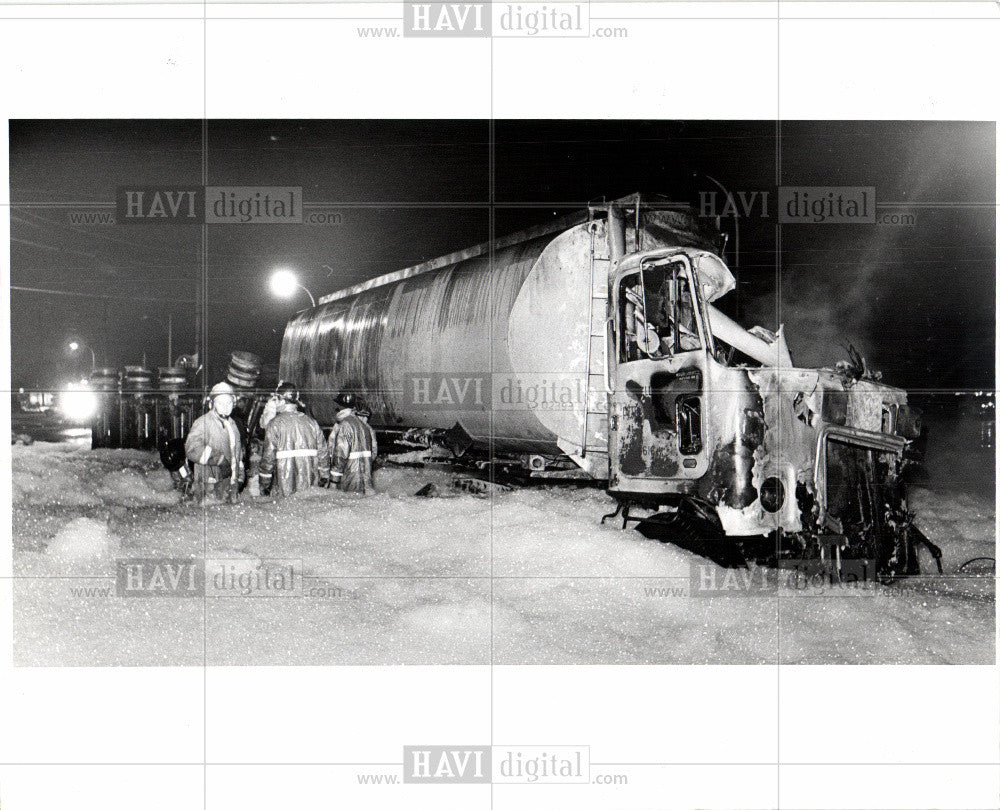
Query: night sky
x=917, y=300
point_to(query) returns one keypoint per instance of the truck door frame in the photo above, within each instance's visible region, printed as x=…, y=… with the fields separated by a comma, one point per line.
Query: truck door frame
x=694, y=465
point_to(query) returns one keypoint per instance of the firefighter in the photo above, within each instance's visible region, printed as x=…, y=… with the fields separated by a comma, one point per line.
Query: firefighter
x=353, y=448
x=295, y=453
x=271, y=407
x=214, y=447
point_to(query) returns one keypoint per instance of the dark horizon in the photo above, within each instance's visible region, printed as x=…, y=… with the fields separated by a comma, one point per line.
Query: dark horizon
x=917, y=299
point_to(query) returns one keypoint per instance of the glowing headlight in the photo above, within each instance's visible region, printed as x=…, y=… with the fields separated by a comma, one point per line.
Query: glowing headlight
x=78, y=404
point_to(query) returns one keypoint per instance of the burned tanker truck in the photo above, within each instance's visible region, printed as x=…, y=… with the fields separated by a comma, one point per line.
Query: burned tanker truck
x=592, y=346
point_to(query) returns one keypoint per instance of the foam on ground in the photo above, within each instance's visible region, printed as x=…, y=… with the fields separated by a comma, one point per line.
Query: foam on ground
x=82, y=540
x=529, y=576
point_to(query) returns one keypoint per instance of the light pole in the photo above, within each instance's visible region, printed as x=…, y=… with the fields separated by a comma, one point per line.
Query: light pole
x=284, y=284
x=74, y=346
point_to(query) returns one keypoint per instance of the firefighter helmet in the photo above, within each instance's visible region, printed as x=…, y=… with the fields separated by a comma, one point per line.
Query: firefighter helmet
x=172, y=454
x=221, y=389
x=345, y=399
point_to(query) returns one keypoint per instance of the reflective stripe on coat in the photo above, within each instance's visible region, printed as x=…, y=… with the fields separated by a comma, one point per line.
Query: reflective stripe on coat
x=295, y=452
x=225, y=456
x=354, y=449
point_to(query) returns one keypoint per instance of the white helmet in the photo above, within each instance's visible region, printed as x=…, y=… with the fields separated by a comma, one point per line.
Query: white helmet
x=219, y=389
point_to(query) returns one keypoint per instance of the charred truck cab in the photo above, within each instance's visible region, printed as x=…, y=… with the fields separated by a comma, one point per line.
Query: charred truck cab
x=711, y=420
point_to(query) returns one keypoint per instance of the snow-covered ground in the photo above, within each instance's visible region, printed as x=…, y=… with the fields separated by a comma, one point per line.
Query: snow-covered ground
x=519, y=577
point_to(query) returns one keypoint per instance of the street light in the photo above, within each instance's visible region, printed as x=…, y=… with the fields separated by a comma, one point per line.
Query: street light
x=75, y=345
x=284, y=284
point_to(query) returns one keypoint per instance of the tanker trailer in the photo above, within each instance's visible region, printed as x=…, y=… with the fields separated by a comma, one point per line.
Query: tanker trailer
x=593, y=343
x=497, y=350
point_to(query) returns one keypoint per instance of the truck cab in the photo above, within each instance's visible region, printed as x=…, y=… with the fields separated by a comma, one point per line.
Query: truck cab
x=707, y=414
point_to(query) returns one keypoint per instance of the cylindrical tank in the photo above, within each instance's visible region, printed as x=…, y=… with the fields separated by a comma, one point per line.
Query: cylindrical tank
x=104, y=379
x=172, y=378
x=105, y=429
x=138, y=405
x=176, y=404
x=137, y=378
x=509, y=346
x=244, y=370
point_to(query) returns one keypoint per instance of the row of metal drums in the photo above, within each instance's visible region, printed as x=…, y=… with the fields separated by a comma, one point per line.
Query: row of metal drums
x=139, y=379
x=137, y=410
x=140, y=410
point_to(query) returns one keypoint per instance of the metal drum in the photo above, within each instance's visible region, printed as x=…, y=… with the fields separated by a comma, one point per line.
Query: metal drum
x=174, y=414
x=137, y=379
x=176, y=404
x=172, y=378
x=244, y=370
x=105, y=429
x=104, y=379
x=138, y=405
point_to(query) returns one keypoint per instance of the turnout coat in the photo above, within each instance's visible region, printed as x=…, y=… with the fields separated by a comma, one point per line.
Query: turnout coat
x=354, y=448
x=294, y=451
x=215, y=448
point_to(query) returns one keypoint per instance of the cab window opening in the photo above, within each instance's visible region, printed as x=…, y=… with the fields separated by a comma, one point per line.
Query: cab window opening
x=657, y=309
